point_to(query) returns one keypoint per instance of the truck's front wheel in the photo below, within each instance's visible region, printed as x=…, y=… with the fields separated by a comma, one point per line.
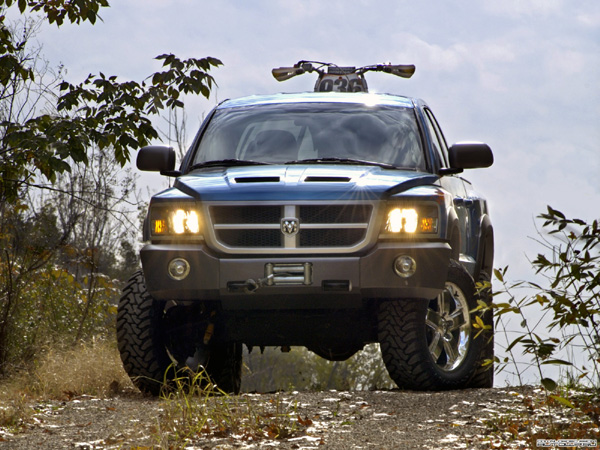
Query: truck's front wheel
x=431, y=345
x=152, y=347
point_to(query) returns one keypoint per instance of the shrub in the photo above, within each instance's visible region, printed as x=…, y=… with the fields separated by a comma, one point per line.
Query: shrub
x=567, y=332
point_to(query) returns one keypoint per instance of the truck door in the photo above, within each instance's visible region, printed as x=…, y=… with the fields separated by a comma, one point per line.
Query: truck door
x=455, y=185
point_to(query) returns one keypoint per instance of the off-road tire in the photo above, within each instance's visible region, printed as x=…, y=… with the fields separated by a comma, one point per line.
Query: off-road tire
x=140, y=343
x=404, y=337
x=144, y=350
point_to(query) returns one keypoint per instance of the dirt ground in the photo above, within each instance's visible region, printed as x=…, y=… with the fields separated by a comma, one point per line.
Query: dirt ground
x=333, y=420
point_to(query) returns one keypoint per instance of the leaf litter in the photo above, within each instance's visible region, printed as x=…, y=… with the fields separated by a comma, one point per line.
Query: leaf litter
x=475, y=419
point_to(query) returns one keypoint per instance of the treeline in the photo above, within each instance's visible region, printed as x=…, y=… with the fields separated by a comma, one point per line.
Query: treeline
x=65, y=253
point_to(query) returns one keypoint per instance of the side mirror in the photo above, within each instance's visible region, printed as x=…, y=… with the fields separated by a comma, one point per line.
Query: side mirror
x=156, y=158
x=470, y=155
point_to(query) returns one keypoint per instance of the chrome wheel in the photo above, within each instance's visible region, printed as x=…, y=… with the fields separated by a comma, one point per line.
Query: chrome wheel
x=431, y=345
x=448, y=328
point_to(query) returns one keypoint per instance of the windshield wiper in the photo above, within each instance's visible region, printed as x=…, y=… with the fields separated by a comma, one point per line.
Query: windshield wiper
x=347, y=161
x=227, y=163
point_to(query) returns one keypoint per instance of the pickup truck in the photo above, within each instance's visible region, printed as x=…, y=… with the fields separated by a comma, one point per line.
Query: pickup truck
x=323, y=219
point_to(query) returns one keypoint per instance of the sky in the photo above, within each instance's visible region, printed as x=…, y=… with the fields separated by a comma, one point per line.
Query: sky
x=520, y=75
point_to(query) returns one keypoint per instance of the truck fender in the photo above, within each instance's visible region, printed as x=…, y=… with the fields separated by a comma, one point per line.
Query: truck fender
x=454, y=234
x=485, y=248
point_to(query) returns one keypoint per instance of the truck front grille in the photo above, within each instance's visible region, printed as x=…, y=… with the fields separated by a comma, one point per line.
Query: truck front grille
x=351, y=214
x=250, y=238
x=243, y=227
x=250, y=215
x=331, y=238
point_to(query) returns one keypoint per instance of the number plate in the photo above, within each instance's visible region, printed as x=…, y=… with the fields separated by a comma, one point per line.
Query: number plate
x=350, y=82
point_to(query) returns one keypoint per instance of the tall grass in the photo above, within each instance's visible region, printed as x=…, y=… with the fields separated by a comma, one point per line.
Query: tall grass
x=92, y=368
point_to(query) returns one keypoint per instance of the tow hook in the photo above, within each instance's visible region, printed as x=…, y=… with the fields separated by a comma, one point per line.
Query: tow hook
x=249, y=286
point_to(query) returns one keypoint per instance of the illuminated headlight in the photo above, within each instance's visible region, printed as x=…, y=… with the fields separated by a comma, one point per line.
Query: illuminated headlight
x=411, y=220
x=185, y=221
x=175, y=222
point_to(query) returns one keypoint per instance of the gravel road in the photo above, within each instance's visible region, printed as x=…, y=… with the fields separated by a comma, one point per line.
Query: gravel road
x=332, y=420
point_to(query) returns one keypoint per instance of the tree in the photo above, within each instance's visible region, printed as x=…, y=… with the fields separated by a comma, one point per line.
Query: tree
x=93, y=202
x=100, y=111
x=48, y=127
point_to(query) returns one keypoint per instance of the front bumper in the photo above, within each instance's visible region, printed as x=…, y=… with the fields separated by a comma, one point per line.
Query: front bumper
x=334, y=281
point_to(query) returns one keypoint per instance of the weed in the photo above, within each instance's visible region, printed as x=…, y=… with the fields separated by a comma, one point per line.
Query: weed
x=197, y=411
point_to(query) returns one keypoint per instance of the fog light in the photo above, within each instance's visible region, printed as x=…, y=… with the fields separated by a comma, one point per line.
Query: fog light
x=405, y=266
x=179, y=268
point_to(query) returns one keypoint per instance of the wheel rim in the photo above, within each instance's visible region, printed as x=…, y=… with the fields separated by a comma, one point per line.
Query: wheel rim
x=448, y=326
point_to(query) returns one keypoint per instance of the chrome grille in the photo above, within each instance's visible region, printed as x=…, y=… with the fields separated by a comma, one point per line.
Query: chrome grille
x=246, y=228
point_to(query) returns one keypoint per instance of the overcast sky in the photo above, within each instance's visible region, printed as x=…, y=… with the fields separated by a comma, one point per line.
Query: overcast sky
x=521, y=75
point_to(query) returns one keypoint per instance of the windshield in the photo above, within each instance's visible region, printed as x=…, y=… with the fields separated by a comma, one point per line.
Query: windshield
x=280, y=133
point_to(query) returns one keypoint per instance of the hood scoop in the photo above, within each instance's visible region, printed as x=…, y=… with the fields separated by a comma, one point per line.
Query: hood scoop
x=326, y=179
x=257, y=180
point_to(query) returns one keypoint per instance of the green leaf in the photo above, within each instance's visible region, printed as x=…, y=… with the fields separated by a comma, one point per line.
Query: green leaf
x=549, y=384
x=479, y=323
x=498, y=275
x=481, y=306
x=560, y=362
x=563, y=400
x=515, y=342
x=554, y=212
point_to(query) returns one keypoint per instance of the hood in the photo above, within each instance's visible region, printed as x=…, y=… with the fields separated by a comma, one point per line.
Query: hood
x=298, y=182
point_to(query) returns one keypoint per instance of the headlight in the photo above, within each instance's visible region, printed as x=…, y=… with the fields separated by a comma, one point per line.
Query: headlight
x=177, y=221
x=404, y=219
